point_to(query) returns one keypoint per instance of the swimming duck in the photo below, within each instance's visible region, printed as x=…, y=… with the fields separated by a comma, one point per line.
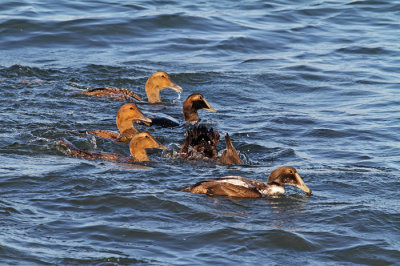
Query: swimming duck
x=137, y=147
x=201, y=143
x=127, y=115
x=191, y=105
x=155, y=83
x=117, y=94
x=140, y=143
x=240, y=187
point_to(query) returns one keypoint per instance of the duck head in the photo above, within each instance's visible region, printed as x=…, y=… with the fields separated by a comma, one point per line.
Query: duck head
x=142, y=141
x=193, y=103
x=157, y=82
x=287, y=175
x=127, y=114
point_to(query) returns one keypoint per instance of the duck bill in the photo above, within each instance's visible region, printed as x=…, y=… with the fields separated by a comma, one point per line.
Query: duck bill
x=302, y=185
x=176, y=88
x=162, y=147
x=145, y=120
x=208, y=106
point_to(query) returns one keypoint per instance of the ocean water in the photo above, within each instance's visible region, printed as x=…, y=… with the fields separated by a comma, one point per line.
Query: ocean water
x=311, y=84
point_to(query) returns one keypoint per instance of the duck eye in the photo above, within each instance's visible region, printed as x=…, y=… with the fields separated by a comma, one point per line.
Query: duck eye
x=146, y=136
x=290, y=171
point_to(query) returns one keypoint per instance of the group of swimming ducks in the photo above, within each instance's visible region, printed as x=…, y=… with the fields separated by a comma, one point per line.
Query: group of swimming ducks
x=200, y=142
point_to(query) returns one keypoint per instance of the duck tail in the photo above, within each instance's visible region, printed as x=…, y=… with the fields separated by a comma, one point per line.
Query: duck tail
x=230, y=155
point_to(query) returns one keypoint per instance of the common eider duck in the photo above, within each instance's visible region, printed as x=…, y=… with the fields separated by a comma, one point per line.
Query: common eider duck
x=127, y=115
x=137, y=147
x=191, y=105
x=155, y=83
x=241, y=187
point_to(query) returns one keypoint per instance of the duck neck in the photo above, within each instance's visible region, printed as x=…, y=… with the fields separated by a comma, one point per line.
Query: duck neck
x=128, y=134
x=190, y=114
x=152, y=92
x=138, y=153
x=124, y=125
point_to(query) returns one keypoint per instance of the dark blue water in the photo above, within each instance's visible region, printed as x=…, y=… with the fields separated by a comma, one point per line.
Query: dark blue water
x=311, y=84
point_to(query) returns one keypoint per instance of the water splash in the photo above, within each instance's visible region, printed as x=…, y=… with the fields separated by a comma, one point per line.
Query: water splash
x=178, y=99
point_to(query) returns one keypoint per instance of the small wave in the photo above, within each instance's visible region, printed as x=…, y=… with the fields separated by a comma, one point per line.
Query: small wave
x=364, y=50
x=327, y=133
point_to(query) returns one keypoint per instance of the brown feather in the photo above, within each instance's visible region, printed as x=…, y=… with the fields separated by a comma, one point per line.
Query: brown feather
x=118, y=94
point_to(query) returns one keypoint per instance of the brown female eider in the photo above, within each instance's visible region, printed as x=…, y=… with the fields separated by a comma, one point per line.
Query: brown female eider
x=137, y=147
x=240, y=187
x=126, y=116
x=155, y=83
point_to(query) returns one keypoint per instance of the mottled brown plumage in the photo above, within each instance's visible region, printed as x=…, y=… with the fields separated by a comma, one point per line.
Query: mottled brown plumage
x=116, y=94
x=154, y=84
x=137, y=147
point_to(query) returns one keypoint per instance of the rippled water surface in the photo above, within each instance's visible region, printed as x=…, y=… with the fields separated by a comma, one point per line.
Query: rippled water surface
x=311, y=84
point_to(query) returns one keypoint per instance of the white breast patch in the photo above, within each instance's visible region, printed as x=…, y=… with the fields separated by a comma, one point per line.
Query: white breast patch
x=273, y=190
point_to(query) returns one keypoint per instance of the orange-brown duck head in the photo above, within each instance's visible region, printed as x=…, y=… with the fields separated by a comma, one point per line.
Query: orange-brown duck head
x=193, y=103
x=142, y=141
x=287, y=175
x=127, y=114
x=157, y=82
